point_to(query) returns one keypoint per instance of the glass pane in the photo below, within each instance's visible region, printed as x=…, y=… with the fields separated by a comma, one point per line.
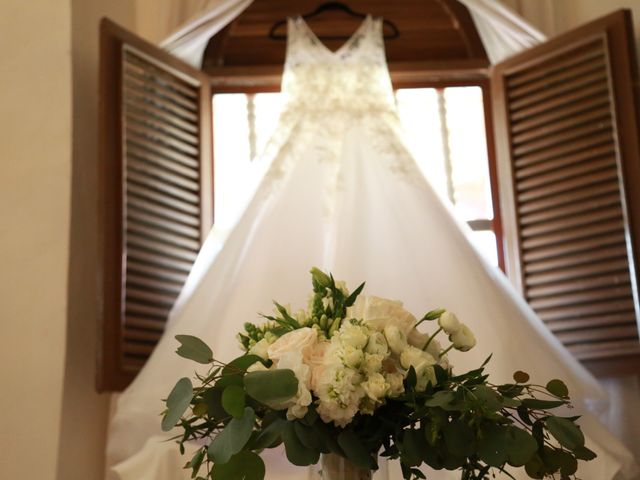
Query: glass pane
x=485, y=242
x=468, y=147
x=236, y=174
x=418, y=110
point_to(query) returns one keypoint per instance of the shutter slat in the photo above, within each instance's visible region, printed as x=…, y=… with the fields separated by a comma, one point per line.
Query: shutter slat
x=567, y=261
x=157, y=194
x=620, y=318
x=582, y=181
x=568, y=198
x=587, y=244
x=553, y=226
x=611, y=200
x=583, y=271
x=586, y=308
x=560, y=174
x=605, y=350
x=567, y=299
x=563, y=150
x=579, y=285
x=560, y=115
x=603, y=228
x=563, y=137
x=606, y=150
x=595, y=335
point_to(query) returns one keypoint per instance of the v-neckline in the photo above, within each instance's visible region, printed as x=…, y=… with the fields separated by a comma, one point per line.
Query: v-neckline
x=344, y=46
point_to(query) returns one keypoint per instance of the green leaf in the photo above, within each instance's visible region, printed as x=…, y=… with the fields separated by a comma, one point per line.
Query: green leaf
x=177, y=403
x=233, y=438
x=242, y=466
x=521, y=448
x=240, y=365
x=193, y=348
x=351, y=299
x=233, y=400
x=413, y=447
x=459, y=438
x=521, y=377
x=493, y=449
x=440, y=399
x=196, y=462
x=583, y=453
x=558, y=388
x=271, y=386
x=213, y=399
x=535, y=468
x=269, y=435
x=566, y=432
x=307, y=436
x=296, y=452
x=537, y=404
x=487, y=398
x=411, y=379
x=355, y=450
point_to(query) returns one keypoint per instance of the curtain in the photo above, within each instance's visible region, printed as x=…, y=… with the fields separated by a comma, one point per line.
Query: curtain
x=503, y=32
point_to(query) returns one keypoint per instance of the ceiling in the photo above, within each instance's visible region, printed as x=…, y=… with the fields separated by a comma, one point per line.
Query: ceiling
x=433, y=31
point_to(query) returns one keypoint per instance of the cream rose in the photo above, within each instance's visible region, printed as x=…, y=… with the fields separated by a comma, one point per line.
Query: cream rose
x=376, y=387
x=302, y=340
x=425, y=374
x=296, y=406
x=378, y=312
x=463, y=339
x=353, y=335
x=377, y=344
x=396, y=384
x=412, y=357
x=417, y=339
x=260, y=349
x=449, y=323
x=395, y=338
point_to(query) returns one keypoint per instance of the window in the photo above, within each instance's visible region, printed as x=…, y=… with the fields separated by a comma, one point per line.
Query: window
x=444, y=129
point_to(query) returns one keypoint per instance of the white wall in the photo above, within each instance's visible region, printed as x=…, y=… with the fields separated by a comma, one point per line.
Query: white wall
x=35, y=173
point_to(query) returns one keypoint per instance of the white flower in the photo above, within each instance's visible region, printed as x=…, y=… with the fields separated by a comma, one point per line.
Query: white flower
x=395, y=338
x=449, y=323
x=302, y=340
x=434, y=349
x=352, y=357
x=425, y=374
x=376, y=387
x=372, y=363
x=342, y=286
x=463, y=339
x=296, y=406
x=339, y=393
x=377, y=344
x=353, y=335
x=412, y=357
x=260, y=349
x=301, y=317
x=379, y=312
x=396, y=385
x=257, y=367
x=417, y=339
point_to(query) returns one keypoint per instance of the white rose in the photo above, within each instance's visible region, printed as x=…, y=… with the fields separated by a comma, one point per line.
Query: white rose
x=257, y=367
x=449, y=323
x=302, y=340
x=395, y=338
x=425, y=374
x=260, y=349
x=463, y=339
x=352, y=357
x=434, y=349
x=417, y=339
x=396, y=385
x=376, y=387
x=296, y=406
x=372, y=363
x=379, y=312
x=353, y=335
x=412, y=357
x=377, y=344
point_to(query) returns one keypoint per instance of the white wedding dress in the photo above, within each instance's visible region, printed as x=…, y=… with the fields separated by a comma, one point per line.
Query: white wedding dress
x=343, y=193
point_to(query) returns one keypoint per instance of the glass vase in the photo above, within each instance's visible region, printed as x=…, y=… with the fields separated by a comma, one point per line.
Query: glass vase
x=336, y=467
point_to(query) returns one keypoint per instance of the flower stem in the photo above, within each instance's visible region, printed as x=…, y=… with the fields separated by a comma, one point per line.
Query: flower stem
x=431, y=338
x=444, y=352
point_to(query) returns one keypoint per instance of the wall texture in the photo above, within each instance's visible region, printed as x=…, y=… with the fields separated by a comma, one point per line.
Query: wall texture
x=35, y=173
x=84, y=412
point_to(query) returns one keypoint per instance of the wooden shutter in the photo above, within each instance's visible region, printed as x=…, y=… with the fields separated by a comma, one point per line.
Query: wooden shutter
x=568, y=154
x=156, y=194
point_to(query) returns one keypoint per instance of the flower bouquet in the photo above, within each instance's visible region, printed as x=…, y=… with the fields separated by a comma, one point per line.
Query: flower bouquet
x=352, y=378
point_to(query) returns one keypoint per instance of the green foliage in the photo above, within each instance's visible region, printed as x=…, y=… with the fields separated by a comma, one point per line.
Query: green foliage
x=192, y=348
x=463, y=422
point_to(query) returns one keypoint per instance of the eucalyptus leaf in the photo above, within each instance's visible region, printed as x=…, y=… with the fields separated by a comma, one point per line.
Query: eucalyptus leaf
x=537, y=404
x=244, y=465
x=487, y=398
x=240, y=364
x=355, y=450
x=269, y=435
x=440, y=399
x=307, y=436
x=177, y=403
x=566, y=432
x=558, y=388
x=493, y=449
x=232, y=438
x=213, y=399
x=521, y=448
x=459, y=438
x=193, y=348
x=296, y=452
x=271, y=386
x=233, y=400
x=521, y=377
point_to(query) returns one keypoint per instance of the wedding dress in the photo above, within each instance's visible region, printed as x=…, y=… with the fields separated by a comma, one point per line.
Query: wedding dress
x=343, y=193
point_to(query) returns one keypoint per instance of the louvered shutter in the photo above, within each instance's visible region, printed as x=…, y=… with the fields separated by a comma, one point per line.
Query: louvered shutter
x=156, y=198
x=568, y=156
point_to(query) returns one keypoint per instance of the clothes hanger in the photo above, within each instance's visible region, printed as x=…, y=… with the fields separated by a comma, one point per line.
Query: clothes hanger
x=332, y=6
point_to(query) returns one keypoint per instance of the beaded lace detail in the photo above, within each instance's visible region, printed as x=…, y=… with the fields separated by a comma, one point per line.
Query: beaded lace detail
x=330, y=92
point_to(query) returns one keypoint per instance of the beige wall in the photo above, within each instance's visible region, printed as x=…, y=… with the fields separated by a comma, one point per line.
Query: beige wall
x=35, y=172
x=84, y=412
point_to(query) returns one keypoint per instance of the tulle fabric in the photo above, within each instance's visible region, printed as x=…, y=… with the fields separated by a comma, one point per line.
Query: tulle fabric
x=345, y=195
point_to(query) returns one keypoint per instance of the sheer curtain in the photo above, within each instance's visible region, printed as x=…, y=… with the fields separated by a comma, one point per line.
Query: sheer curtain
x=502, y=30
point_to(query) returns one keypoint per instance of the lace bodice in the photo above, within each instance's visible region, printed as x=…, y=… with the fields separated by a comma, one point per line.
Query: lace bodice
x=353, y=78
